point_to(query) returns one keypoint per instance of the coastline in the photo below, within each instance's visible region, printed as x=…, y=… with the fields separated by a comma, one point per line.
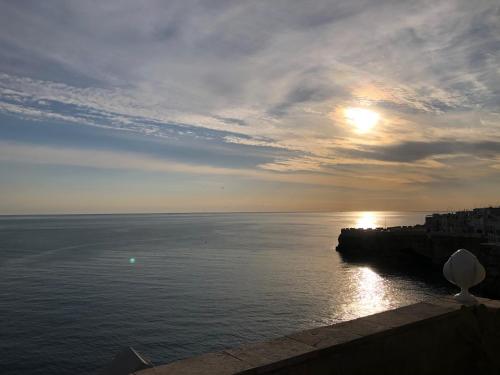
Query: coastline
x=432, y=243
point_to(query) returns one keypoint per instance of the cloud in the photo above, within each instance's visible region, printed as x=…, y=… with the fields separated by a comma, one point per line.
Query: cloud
x=267, y=76
x=93, y=158
x=414, y=151
x=99, y=159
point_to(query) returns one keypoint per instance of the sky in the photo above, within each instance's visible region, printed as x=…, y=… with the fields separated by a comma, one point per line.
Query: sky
x=228, y=105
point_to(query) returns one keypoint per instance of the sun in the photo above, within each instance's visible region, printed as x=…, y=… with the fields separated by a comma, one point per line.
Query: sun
x=362, y=119
x=366, y=220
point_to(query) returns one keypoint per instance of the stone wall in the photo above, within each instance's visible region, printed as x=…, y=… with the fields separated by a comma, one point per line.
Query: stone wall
x=418, y=339
x=489, y=256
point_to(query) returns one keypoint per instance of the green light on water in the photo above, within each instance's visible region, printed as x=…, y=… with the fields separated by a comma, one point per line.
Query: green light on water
x=131, y=260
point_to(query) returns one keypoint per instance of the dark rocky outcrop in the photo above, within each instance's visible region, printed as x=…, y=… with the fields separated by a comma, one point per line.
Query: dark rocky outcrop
x=407, y=245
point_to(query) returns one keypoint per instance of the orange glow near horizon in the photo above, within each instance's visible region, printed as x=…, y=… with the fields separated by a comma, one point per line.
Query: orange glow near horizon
x=366, y=220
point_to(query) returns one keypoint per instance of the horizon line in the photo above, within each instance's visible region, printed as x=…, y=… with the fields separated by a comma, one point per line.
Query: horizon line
x=225, y=212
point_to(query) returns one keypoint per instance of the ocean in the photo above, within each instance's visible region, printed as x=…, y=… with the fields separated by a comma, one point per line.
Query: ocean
x=76, y=289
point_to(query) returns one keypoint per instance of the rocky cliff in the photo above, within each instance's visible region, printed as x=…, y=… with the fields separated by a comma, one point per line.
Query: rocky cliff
x=415, y=243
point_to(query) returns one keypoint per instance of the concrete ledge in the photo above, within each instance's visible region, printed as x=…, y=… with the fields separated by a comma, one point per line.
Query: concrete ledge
x=212, y=363
x=273, y=354
x=417, y=339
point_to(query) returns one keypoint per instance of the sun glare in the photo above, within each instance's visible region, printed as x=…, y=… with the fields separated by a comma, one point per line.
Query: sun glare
x=366, y=220
x=362, y=119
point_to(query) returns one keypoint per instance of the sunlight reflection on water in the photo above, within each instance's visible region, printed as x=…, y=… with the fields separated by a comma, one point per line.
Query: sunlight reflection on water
x=372, y=219
x=366, y=220
x=371, y=293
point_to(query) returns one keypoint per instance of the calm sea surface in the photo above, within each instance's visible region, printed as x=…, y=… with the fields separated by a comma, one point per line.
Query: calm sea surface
x=74, y=290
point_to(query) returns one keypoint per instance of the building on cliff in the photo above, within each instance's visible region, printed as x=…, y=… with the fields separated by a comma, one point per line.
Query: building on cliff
x=484, y=222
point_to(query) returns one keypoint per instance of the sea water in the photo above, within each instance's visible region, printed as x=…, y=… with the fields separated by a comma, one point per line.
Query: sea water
x=76, y=289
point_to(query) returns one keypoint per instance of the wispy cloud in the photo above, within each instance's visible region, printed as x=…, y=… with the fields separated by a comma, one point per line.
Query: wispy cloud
x=269, y=76
x=94, y=158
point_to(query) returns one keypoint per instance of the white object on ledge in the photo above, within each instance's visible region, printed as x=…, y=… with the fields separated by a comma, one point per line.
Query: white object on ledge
x=464, y=270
